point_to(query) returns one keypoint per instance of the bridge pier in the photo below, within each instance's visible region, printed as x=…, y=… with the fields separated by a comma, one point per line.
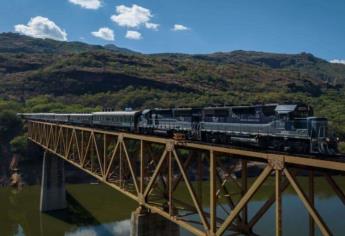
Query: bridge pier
x=53, y=193
x=145, y=223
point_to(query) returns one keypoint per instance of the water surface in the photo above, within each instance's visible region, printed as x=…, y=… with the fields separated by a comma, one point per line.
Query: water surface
x=97, y=210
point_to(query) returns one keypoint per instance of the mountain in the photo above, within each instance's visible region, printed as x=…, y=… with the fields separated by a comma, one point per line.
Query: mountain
x=91, y=75
x=32, y=67
x=15, y=43
x=115, y=48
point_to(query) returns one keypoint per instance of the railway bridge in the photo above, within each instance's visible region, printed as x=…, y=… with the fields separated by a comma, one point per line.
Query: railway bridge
x=203, y=188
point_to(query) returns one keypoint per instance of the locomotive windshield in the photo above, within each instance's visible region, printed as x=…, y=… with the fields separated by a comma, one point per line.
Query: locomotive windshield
x=302, y=111
x=291, y=112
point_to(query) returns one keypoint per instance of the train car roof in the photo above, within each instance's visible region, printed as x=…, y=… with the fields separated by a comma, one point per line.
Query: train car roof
x=228, y=107
x=116, y=113
x=80, y=114
x=40, y=114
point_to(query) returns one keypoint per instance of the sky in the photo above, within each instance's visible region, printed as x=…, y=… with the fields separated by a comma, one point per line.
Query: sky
x=186, y=26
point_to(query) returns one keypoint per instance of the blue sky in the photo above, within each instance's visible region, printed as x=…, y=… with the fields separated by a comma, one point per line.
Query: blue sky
x=288, y=26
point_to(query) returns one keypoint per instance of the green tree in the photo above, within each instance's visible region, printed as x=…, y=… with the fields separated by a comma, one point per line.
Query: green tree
x=10, y=125
x=19, y=144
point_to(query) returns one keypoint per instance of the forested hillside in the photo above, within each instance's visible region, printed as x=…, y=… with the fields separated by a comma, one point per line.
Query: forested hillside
x=45, y=75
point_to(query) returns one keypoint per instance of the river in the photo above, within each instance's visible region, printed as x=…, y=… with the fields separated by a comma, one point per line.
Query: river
x=96, y=209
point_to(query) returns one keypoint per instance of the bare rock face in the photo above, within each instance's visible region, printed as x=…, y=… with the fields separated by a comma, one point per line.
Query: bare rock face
x=16, y=181
x=5, y=159
x=9, y=173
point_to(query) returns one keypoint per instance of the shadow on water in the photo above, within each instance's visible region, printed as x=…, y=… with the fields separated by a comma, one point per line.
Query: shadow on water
x=75, y=214
x=91, y=210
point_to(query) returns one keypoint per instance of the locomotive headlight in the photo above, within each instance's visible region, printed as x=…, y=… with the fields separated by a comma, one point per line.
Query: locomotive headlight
x=327, y=140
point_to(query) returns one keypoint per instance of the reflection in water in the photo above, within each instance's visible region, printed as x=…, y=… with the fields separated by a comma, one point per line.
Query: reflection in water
x=121, y=228
x=92, y=209
x=97, y=210
x=83, y=232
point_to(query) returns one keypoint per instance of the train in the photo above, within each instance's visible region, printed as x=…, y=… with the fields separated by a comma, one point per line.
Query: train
x=282, y=127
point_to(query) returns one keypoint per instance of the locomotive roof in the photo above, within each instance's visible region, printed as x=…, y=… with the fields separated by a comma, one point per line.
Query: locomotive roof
x=59, y=114
x=283, y=109
x=227, y=107
x=116, y=113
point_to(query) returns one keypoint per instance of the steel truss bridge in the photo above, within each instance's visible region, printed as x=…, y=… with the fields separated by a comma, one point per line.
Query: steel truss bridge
x=202, y=188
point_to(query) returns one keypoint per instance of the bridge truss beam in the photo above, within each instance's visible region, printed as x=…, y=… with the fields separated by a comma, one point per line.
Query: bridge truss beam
x=202, y=188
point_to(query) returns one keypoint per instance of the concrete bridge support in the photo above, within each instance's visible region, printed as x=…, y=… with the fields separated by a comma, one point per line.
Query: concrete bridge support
x=145, y=223
x=53, y=193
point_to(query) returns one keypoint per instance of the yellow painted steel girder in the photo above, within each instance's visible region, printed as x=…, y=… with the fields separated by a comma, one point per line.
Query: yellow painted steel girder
x=106, y=156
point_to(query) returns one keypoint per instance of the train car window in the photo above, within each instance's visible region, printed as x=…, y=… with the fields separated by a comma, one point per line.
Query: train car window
x=216, y=115
x=163, y=114
x=268, y=110
x=221, y=115
x=245, y=113
x=183, y=113
x=209, y=117
x=221, y=112
x=300, y=124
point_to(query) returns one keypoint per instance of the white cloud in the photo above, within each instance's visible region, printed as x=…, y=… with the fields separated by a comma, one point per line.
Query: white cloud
x=152, y=26
x=178, y=27
x=133, y=35
x=134, y=17
x=87, y=4
x=104, y=33
x=339, y=61
x=41, y=27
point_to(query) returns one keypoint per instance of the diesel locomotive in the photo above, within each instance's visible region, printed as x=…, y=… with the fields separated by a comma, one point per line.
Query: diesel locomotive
x=282, y=127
